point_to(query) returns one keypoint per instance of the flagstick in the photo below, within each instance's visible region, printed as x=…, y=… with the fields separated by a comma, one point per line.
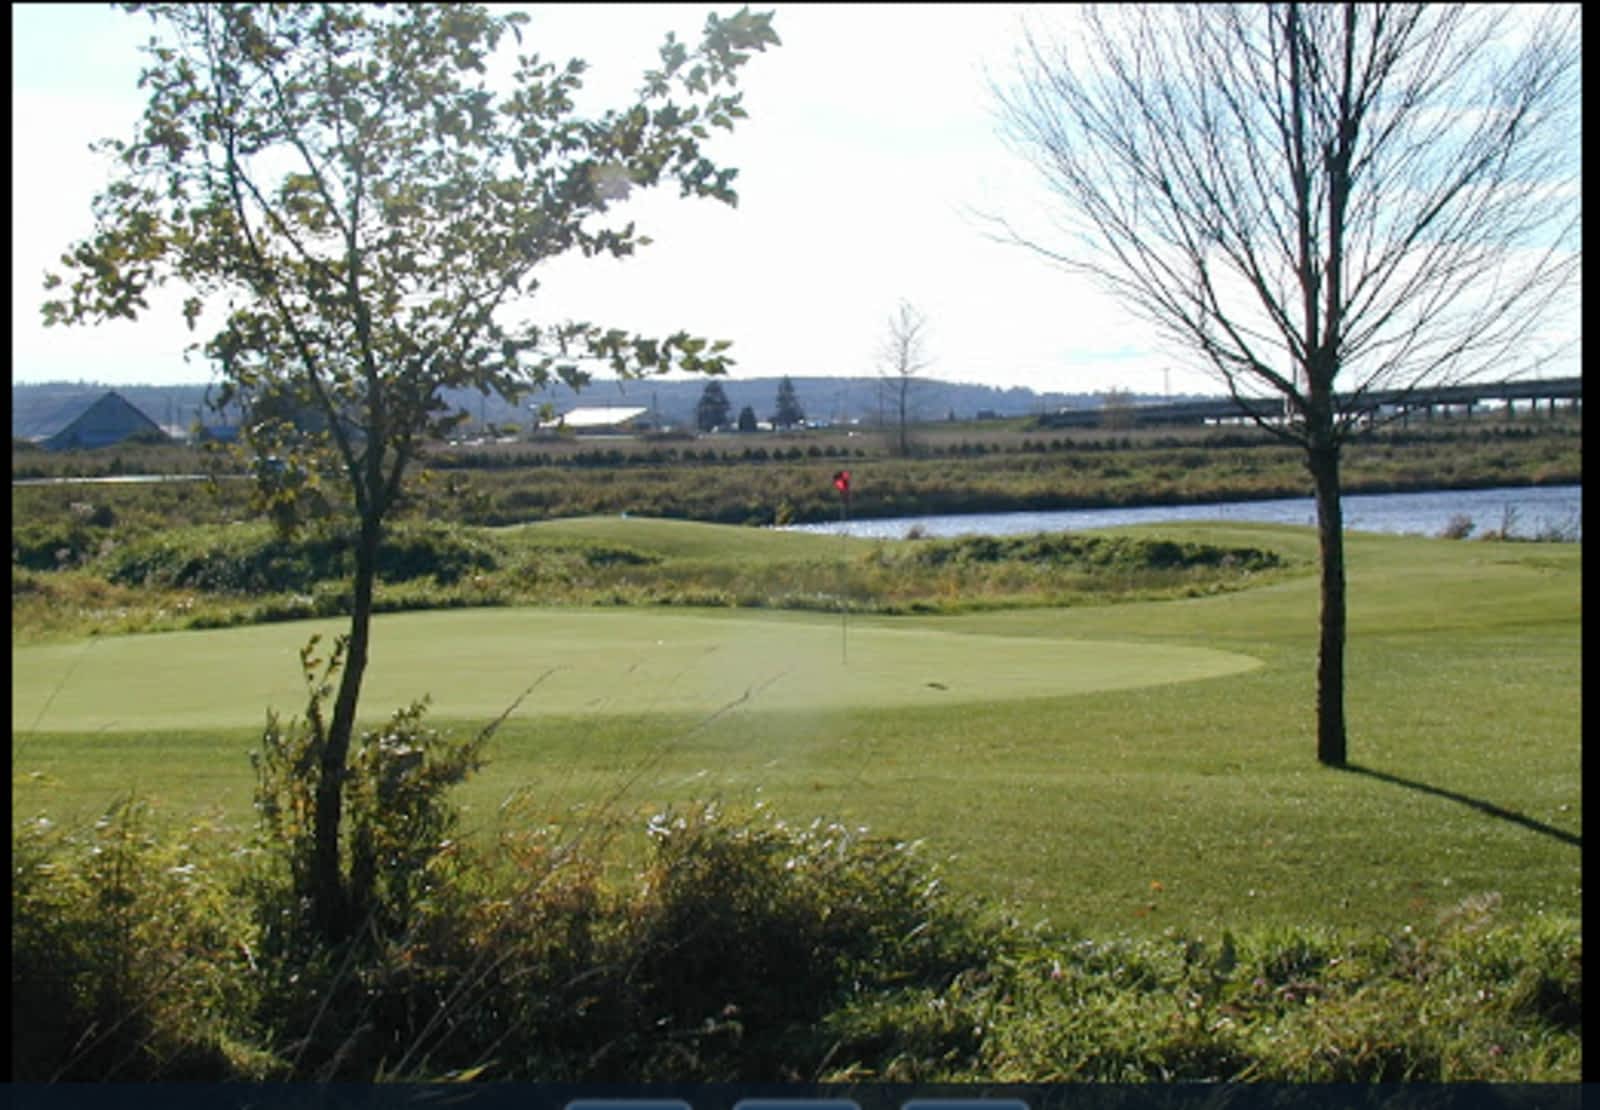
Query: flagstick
x=844, y=581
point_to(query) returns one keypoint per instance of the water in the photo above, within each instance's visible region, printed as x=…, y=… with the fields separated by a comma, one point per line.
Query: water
x=1530, y=511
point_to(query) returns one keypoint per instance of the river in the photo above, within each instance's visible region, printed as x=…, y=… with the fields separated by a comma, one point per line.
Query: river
x=1529, y=510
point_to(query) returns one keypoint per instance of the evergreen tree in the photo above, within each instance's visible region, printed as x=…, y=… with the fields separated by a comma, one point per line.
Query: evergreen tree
x=712, y=411
x=747, y=419
x=789, y=414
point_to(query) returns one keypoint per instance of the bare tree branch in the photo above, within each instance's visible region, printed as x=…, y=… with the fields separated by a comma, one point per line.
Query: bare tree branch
x=903, y=355
x=1319, y=202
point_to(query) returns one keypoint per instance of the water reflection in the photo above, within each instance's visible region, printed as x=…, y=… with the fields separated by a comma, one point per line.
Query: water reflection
x=1521, y=511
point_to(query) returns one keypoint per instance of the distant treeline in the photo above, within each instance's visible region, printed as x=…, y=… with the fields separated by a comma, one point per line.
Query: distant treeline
x=39, y=407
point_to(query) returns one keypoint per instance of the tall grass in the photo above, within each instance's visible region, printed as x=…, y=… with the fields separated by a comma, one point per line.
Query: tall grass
x=741, y=948
x=130, y=953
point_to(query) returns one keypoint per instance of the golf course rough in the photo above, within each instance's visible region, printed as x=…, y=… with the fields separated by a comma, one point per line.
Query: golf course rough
x=474, y=663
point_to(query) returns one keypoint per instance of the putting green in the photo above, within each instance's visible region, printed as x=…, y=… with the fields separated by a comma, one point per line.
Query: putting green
x=474, y=663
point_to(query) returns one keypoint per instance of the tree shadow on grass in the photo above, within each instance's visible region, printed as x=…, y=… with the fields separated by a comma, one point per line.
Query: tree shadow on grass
x=1476, y=803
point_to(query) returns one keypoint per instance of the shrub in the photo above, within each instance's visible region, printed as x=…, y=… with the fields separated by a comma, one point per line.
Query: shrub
x=250, y=559
x=718, y=960
x=1068, y=549
x=397, y=853
x=53, y=546
x=446, y=555
x=745, y=932
x=129, y=958
x=741, y=949
x=397, y=814
x=607, y=555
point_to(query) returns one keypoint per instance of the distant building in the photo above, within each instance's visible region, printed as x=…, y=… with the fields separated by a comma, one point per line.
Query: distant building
x=217, y=433
x=602, y=420
x=105, y=423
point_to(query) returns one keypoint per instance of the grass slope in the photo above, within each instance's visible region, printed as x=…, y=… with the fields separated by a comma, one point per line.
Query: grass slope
x=1193, y=804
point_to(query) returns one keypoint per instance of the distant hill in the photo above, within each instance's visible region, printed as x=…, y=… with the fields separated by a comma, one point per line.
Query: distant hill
x=39, y=408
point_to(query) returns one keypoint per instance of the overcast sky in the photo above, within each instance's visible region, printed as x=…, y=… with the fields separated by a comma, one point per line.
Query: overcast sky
x=870, y=142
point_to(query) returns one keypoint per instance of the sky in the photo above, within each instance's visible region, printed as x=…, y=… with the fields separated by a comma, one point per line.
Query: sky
x=871, y=151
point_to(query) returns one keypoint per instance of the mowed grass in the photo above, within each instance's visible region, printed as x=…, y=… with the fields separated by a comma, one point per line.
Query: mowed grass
x=476, y=664
x=1114, y=768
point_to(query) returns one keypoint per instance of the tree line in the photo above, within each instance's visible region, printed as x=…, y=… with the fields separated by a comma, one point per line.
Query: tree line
x=711, y=412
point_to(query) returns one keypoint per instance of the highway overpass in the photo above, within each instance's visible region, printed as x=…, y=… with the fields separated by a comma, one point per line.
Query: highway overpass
x=1386, y=403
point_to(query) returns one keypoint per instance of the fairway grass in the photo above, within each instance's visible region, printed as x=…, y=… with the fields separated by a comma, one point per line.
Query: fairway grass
x=1126, y=767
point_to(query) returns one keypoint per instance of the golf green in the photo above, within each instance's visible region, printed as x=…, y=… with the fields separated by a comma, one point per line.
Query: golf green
x=474, y=663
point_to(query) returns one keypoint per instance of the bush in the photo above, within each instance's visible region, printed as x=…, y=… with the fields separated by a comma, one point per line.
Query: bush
x=718, y=960
x=397, y=816
x=723, y=956
x=735, y=905
x=741, y=949
x=252, y=560
x=325, y=995
x=53, y=546
x=1064, y=549
x=129, y=959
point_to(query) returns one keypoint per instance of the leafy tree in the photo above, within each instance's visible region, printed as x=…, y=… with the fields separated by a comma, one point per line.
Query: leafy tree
x=902, y=357
x=711, y=412
x=1321, y=201
x=373, y=216
x=789, y=414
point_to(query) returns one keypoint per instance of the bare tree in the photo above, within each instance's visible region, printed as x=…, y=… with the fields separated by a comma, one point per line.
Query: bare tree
x=1323, y=201
x=902, y=356
x=1116, y=409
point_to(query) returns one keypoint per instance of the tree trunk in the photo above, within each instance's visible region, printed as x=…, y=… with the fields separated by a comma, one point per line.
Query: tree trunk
x=904, y=440
x=1323, y=461
x=330, y=899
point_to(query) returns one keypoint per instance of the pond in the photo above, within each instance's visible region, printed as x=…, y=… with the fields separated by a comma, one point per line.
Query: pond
x=1524, y=511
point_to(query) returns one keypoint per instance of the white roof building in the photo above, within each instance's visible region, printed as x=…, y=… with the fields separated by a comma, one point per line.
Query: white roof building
x=601, y=418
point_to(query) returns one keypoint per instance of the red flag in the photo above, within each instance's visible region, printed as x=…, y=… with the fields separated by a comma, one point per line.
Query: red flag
x=841, y=482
